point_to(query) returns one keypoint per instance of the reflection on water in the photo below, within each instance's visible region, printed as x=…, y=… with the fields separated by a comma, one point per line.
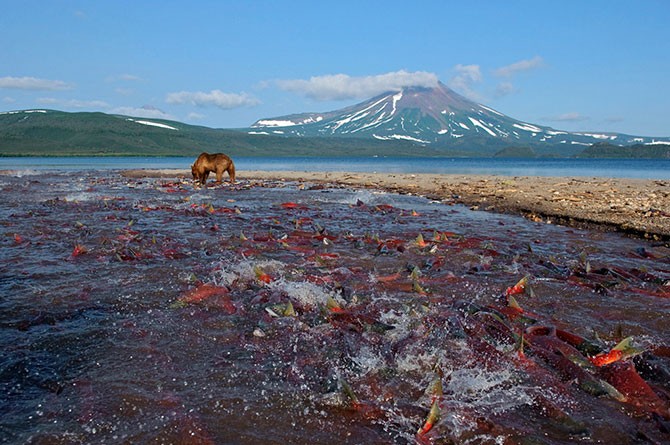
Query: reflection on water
x=144, y=311
x=613, y=168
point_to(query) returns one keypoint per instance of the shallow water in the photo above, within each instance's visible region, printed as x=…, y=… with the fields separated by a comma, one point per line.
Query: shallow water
x=145, y=311
x=608, y=168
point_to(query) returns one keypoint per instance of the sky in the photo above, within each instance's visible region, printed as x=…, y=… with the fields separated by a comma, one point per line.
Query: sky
x=586, y=65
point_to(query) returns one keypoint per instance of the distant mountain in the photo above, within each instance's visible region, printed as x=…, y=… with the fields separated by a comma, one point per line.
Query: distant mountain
x=440, y=118
x=58, y=133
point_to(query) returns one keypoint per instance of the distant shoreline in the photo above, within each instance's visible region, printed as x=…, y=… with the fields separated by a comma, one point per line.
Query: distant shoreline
x=637, y=207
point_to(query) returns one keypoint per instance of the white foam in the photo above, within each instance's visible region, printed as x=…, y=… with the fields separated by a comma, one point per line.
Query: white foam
x=22, y=173
x=243, y=272
x=231, y=274
x=368, y=360
x=484, y=391
x=82, y=197
x=307, y=294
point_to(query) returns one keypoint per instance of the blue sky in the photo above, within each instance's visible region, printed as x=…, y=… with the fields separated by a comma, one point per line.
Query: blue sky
x=572, y=65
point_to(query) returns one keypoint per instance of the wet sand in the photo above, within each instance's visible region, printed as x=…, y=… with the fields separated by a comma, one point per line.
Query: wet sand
x=638, y=207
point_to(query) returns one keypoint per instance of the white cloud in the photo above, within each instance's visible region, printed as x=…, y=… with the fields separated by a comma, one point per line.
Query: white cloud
x=73, y=103
x=464, y=79
x=568, y=117
x=215, y=97
x=33, y=83
x=343, y=86
x=124, y=91
x=195, y=116
x=129, y=77
x=124, y=78
x=145, y=111
x=520, y=66
x=505, y=88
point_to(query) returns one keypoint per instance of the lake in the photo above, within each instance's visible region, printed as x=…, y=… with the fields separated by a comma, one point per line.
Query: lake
x=612, y=168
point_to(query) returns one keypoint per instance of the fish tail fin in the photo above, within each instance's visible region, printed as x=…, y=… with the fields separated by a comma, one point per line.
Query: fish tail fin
x=349, y=393
x=627, y=348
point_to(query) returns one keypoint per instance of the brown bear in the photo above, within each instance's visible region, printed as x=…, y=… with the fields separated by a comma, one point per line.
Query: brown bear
x=217, y=162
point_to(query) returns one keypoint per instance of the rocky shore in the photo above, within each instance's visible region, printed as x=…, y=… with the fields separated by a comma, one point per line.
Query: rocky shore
x=638, y=207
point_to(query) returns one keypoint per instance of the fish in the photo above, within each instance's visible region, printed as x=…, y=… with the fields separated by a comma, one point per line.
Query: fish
x=78, y=250
x=202, y=293
x=434, y=413
x=290, y=205
x=349, y=392
x=420, y=241
x=568, y=362
x=518, y=288
x=583, y=345
x=637, y=392
x=366, y=409
x=281, y=310
x=623, y=350
x=262, y=276
x=432, y=418
x=417, y=288
x=514, y=312
x=353, y=318
x=389, y=278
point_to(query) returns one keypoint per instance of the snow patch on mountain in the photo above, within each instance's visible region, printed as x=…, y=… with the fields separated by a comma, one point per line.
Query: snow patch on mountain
x=527, y=127
x=476, y=123
x=153, y=124
x=400, y=137
x=24, y=111
x=491, y=110
x=274, y=123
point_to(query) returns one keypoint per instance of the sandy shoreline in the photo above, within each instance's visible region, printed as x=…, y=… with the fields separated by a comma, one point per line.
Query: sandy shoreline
x=637, y=207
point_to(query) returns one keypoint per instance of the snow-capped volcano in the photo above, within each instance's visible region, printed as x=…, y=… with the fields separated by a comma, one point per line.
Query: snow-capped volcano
x=437, y=116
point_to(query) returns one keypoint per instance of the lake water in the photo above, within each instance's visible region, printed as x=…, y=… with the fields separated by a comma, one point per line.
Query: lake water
x=613, y=168
x=148, y=311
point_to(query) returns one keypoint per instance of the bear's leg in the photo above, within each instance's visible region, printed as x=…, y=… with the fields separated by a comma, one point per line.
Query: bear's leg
x=231, y=172
x=219, y=175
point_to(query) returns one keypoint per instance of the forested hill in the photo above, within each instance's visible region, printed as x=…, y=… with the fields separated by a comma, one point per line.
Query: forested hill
x=58, y=133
